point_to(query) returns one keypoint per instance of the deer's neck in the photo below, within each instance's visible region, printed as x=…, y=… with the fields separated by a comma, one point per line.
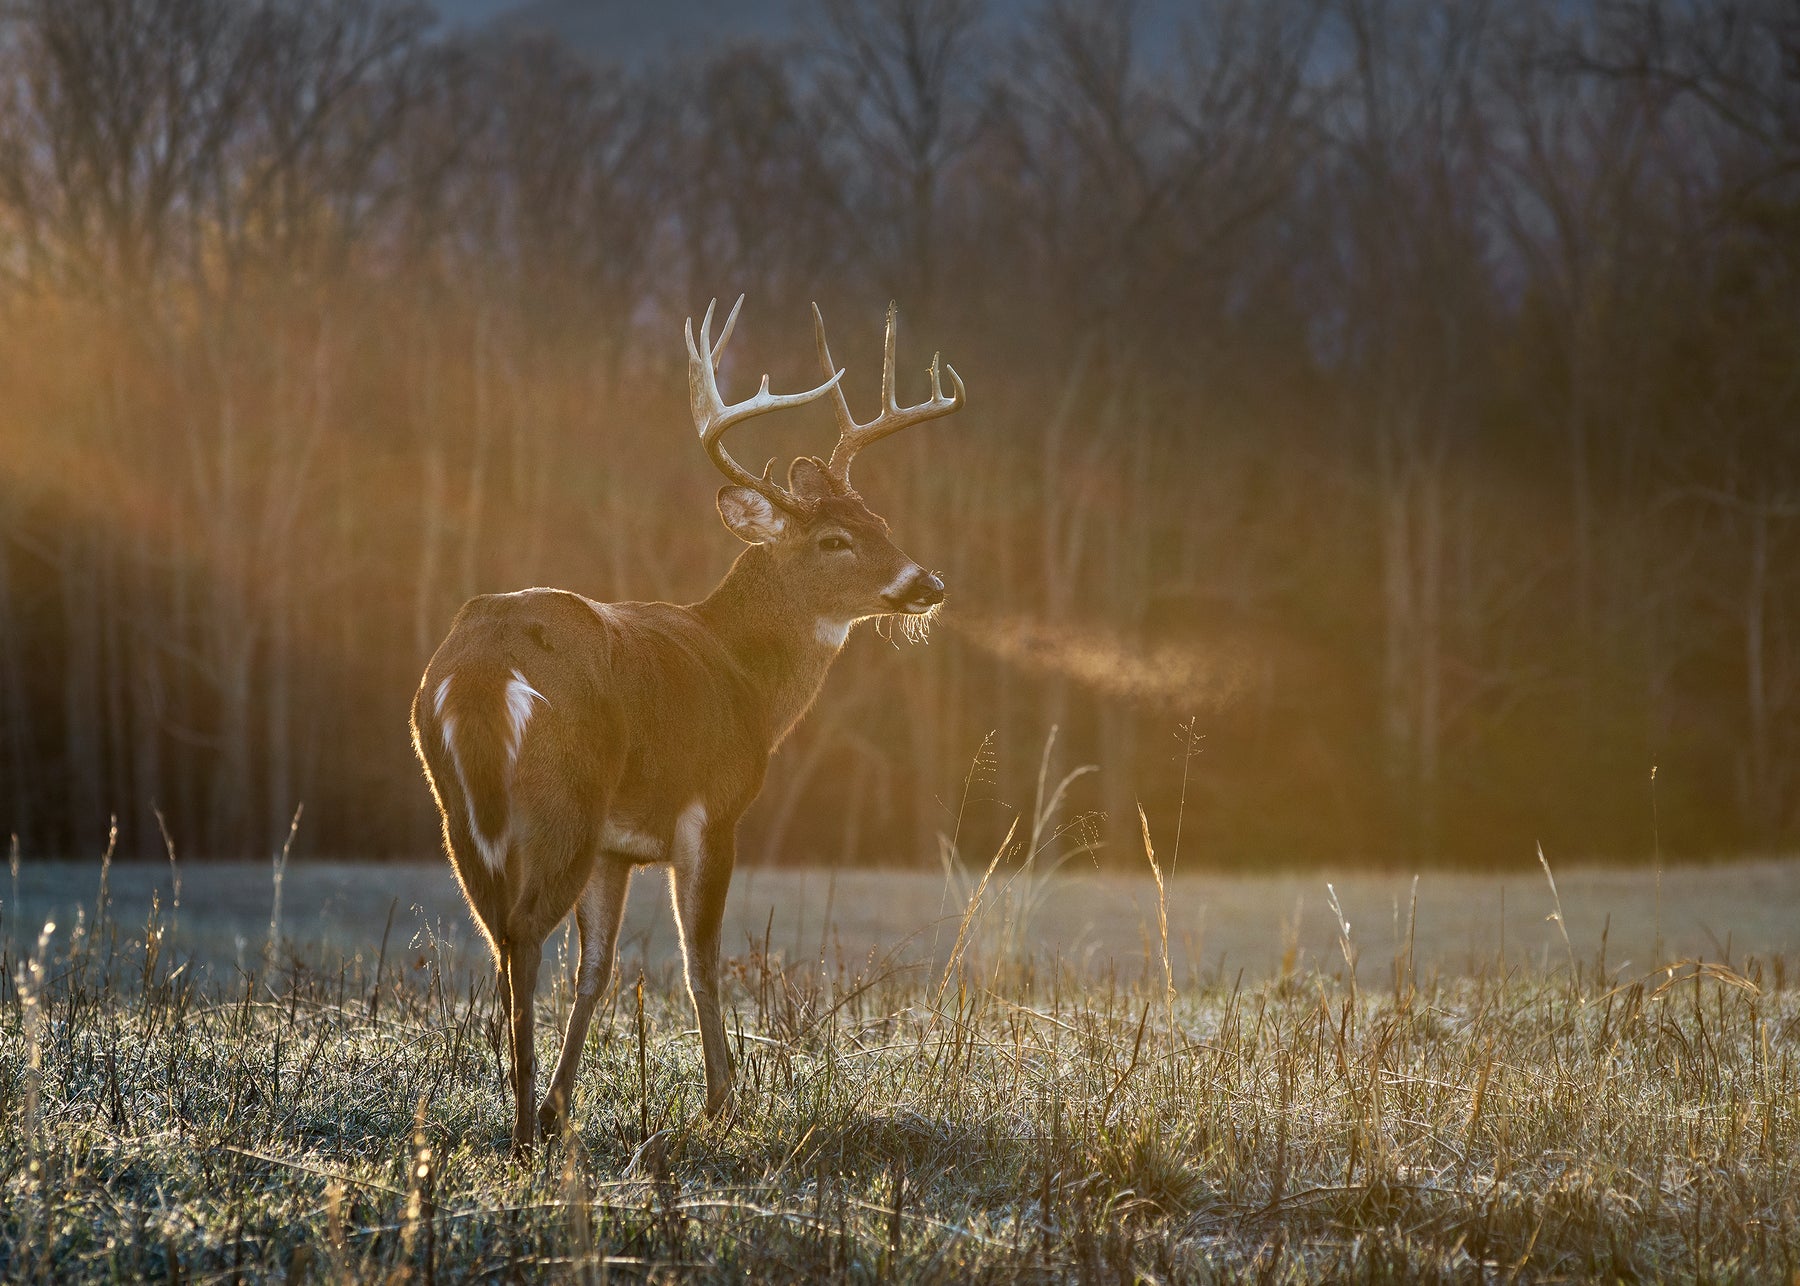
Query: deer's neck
x=782, y=647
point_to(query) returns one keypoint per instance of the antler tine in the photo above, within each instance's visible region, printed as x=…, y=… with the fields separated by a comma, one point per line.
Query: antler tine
x=712, y=417
x=846, y=421
x=718, y=351
x=890, y=346
x=853, y=437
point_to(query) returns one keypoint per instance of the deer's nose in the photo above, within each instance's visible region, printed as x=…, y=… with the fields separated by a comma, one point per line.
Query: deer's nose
x=920, y=590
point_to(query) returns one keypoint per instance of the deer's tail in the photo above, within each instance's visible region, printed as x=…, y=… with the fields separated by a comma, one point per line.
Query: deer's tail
x=478, y=716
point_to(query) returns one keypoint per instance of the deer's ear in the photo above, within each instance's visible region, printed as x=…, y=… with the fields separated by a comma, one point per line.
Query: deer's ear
x=750, y=517
x=808, y=480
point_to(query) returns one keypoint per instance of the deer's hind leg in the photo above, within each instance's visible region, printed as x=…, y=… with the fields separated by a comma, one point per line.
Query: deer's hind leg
x=548, y=867
x=518, y=983
x=598, y=912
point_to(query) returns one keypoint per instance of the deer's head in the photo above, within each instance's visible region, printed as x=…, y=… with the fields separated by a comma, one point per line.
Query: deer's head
x=831, y=550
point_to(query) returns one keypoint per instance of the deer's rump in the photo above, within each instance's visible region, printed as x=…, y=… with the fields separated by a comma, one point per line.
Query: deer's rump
x=547, y=703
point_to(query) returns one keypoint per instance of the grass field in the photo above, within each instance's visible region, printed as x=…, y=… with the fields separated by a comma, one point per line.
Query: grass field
x=937, y=1081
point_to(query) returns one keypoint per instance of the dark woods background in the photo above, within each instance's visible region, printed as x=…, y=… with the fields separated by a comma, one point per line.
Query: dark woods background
x=1406, y=390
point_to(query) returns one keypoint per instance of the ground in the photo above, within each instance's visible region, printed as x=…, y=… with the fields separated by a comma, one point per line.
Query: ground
x=1031, y=1087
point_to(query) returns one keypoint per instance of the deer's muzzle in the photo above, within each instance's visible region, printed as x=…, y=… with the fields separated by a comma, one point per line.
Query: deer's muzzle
x=918, y=592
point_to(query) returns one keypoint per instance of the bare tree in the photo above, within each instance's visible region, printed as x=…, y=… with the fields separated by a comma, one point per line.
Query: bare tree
x=1411, y=140
x=902, y=78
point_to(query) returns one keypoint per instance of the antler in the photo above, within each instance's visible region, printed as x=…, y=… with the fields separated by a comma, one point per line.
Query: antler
x=853, y=437
x=712, y=417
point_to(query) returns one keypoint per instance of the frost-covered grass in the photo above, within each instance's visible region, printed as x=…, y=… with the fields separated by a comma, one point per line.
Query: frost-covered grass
x=988, y=1116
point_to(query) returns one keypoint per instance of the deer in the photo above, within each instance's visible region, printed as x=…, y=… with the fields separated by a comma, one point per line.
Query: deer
x=568, y=742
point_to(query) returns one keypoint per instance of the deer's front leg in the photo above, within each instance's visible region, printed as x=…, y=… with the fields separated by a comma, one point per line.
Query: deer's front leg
x=699, y=876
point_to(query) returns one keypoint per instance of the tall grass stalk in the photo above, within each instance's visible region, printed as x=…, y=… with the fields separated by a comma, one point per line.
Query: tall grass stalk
x=12, y=862
x=1190, y=747
x=1162, y=917
x=30, y=986
x=1556, y=914
x=1656, y=859
x=981, y=772
x=162, y=826
x=279, y=864
x=1029, y=886
x=971, y=909
x=103, y=898
x=1345, y=943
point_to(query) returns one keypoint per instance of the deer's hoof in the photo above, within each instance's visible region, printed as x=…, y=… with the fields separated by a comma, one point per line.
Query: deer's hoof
x=551, y=1118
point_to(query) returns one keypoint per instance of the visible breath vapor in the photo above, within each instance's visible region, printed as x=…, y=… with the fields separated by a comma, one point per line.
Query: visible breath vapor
x=1161, y=673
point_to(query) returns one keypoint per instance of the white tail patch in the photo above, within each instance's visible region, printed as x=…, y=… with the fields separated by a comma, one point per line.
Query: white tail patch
x=446, y=722
x=519, y=696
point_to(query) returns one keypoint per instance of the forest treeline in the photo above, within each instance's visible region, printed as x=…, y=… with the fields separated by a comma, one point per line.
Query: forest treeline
x=1403, y=392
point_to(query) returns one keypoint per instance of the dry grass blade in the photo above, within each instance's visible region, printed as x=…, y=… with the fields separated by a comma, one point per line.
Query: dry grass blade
x=1162, y=912
x=1556, y=914
x=969, y=913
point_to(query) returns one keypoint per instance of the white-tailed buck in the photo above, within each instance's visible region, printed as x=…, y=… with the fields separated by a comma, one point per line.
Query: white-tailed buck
x=568, y=741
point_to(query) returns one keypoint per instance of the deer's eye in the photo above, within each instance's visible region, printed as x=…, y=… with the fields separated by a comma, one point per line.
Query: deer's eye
x=833, y=542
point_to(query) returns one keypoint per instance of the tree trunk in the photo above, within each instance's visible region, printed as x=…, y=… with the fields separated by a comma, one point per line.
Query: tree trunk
x=1429, y=660
x=83, y=767
x=1762, y=805
x=16, y=713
